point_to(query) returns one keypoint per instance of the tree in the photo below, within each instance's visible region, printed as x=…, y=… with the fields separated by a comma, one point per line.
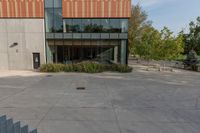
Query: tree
x=192, y=40
x=146, y=47
x=137, y=24
x=171, y=47
x=159, y=45
x=191, y=59
x=149, y=43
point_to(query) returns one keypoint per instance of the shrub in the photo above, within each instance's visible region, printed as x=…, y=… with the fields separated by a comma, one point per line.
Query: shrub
x=118, y=68
x=191, y=61
x=123, y=68
x=93, y=67
x=52, y=68
x=68, y=68
x=87, y=67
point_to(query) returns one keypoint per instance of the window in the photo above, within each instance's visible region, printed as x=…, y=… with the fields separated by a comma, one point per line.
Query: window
x=53, y=16
x=87, y=27
x=105, y=23
x=53, y=3
x=58, y=23
x=57, y=3
x=68, y=25
x=77, y=26
x=115, y=26
x=96, y=26
x=48, y=3
x=124, y=25
x=49, y=20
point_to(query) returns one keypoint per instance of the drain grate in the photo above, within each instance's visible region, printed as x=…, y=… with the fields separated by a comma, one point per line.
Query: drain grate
x=49, y=76
x=80, y=88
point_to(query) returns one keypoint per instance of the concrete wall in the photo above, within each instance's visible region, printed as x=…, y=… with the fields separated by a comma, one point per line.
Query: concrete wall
x=30, y=36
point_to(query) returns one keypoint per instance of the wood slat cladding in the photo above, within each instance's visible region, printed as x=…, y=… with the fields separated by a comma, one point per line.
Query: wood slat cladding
x=96, y=8
x=21, y=8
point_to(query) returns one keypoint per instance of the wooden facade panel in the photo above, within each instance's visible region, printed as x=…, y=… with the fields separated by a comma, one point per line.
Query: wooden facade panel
x=96, y=8
x=71, y=8
x=22, y=8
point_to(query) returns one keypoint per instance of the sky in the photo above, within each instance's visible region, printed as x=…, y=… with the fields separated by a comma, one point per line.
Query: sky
x=175, y=14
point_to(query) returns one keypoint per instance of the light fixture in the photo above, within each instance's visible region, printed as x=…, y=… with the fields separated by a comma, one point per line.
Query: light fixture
x=14, y=44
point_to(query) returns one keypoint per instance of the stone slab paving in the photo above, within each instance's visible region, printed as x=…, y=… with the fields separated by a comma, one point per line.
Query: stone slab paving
x=138, y=102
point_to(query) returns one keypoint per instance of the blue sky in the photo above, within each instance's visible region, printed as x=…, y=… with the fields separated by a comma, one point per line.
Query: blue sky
x=175, y=14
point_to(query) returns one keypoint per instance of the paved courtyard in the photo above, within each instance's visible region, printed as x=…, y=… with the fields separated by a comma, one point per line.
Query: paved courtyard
x=138, y=102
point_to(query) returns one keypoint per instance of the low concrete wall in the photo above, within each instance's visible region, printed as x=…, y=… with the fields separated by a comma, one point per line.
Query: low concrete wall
x=29, y=36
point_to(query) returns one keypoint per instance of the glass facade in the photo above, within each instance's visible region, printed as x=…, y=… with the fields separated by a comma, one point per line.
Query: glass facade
x=49, y=20
x=95, y=25
x=53, y=16
x=115, y=26
x=86, y=23
x=105, y=25
x=72, y=50
x=76, y=26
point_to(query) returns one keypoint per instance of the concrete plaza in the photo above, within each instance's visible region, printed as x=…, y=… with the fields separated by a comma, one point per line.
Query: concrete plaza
x=138, y=102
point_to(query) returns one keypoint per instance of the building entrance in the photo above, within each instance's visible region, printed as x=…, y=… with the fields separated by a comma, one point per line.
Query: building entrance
x=69, y=54
x=104, y=51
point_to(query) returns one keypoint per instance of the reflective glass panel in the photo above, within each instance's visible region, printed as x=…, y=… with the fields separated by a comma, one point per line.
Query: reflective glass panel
x=57, y=3
x=90, y=25
x=115, y=26
x=49, y=20
x=124, y=25
x=58, y=23
x=77, y=26
x=48, y=3
x=87, y=27
x=105, y=23
x=68, y=25
x=96, y=26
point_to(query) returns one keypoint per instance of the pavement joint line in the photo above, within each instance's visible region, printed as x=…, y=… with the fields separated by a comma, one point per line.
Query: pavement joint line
x=43, y=118
x=168, y=107
x=13, y=94
x=11, y=87
x=162, y=122
x=23, y=89
x=114, y=111
x=82, y=107
x=197, y=103
x=185, y=117
x=80, y=120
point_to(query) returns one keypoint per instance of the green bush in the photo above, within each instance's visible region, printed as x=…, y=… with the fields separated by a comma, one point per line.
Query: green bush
x=68, y=68
x=52, y=68
x=87, y=67
x=91, y=67
x=118, y=68
x=123, y=68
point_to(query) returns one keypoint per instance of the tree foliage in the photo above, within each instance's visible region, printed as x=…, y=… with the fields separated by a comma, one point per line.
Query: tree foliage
x=159, y=45
x=191, y=59
x=149, y=43
x=192, y=39
x=137, y=24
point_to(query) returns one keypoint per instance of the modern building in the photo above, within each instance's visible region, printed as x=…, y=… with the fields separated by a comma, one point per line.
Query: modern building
x=34, y=32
